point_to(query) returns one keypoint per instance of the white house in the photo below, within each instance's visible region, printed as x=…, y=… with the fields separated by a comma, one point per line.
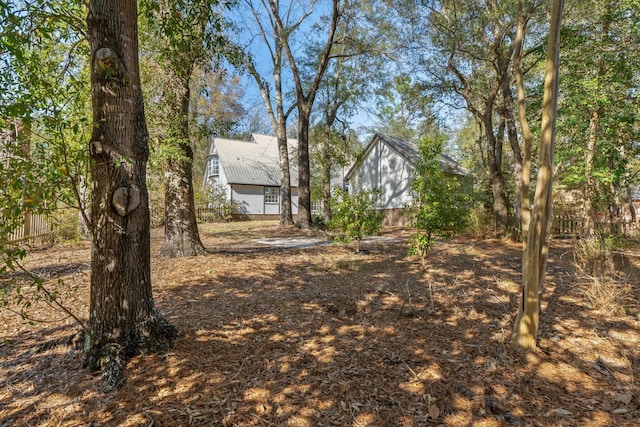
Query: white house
x=249, y=173
x=388, y=164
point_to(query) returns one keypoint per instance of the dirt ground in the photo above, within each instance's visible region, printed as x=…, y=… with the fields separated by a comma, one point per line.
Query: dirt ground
x=321, y=336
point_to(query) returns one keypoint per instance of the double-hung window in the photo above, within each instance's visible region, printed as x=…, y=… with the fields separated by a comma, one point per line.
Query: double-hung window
x=271, y=195
x=214, y=166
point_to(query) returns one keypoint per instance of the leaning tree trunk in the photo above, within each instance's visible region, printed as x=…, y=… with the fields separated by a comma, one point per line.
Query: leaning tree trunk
x=123, y=319
x=181, y=237
x=526, y=326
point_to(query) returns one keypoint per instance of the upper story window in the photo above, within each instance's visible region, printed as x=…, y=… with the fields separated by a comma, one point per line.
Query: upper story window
x=271, y=195
x=214, y=166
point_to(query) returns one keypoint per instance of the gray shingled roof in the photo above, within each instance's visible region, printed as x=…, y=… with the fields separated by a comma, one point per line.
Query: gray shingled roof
x=254, y=162
x=409, y=150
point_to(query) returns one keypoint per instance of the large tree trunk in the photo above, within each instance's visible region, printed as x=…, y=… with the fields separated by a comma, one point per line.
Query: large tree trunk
x=526, y=326
x=326, y=172
x=304, y=170
x=123, y=319
x=181, y=237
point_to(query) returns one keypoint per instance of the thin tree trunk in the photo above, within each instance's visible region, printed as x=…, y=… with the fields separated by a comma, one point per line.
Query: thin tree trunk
x=326, y=172
x=527, y=136
x=123, y=319
x=305, y=102
x=512, y=134
x=494, y=161
x=286, y=215
x=279, y=121
x=493, y=149
x=589, y=189
x=181, y=237
x=537, y=250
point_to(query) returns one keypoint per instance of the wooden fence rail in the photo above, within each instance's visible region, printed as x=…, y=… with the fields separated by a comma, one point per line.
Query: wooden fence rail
x=567, y=226
x=33, y=226
x=573, y=226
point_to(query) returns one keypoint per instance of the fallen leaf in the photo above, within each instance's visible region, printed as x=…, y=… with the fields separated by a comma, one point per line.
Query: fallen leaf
x=623, y=398
x=434, y=412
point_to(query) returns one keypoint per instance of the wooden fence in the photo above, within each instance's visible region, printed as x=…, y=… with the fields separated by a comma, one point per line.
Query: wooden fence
x=567, y=226
x=573, y=226
x=33, y=226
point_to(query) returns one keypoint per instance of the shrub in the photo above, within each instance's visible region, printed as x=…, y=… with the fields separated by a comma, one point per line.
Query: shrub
x=439, y=207
x=602, y=273
x=355, y=215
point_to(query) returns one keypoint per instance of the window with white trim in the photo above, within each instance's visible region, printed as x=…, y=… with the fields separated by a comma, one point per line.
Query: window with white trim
x=316, y=206
x=214, y=166
x=272, y=195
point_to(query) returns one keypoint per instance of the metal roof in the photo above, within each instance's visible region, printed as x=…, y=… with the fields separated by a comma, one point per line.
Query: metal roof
x=408, y=149
x=254, y=162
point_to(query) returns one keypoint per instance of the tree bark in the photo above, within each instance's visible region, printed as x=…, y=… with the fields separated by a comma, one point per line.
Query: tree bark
x=278, y=117
x=537, y=250
x=304, y=169
x=305, y=101
x=326, y=172
x=286, y=214
x=123, y=319
x=181, y=237
x=494, y=149
x=494, y=161
x=527, y=136
x=512, y=133
x=589, y=189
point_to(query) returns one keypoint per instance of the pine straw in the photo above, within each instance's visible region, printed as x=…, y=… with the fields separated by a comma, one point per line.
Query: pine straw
x=322, y=336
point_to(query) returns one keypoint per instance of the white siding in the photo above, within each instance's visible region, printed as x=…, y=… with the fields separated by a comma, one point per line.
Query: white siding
x=294, y=201
x=385, y=169
x=395, y=179
x=248, y=198
x=272, y=208
x=368, y=175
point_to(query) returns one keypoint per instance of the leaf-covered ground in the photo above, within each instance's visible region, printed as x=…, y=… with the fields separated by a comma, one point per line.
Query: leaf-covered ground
x=320, y=336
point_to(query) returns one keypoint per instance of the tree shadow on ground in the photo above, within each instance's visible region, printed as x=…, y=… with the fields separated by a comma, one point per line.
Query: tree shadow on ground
x=321, y=336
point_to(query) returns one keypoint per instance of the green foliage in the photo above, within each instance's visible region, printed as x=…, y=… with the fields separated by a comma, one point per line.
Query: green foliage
x=182, y=40
x=329, y=152
x=186, y=33
x=599, y=85
x=440, y=206
x=215, y=197
x=405, y=108
x=318, y=222
x=355, y=215
x=44, y=123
